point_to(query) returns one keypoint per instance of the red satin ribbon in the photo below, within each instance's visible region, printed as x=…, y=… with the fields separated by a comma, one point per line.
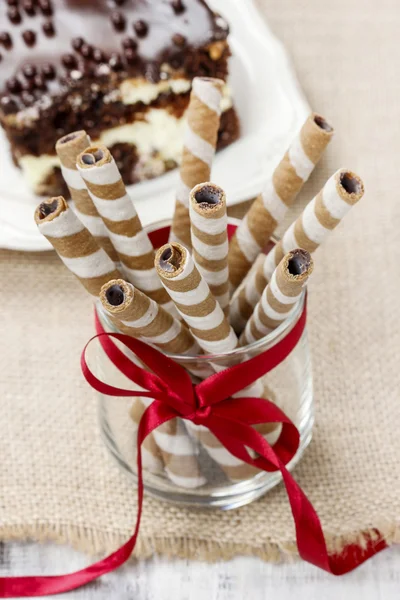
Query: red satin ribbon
x=230, y=419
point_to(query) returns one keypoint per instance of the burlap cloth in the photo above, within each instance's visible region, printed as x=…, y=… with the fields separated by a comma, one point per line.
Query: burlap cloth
x=56, y=480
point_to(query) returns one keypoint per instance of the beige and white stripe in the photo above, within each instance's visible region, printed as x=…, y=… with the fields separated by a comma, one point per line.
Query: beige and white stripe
x=193, y=299
x=151, y=455
x=107, y=190
x=68, y=147
x=209, y=222
x=75, y=245
x=200, y=140
x=321, y=215
x=133, y=313
x=280, y=296
x=270, y=207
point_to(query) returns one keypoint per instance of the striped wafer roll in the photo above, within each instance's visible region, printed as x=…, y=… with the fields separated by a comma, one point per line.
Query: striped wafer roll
x=193, y=299
x=200, y=140
x=106, y=188
x=68, y=148
x=270, y=207
x=151, y=454
x=210, y=327
x=137, y=315
x=209, y=222
x=75, y=245
x=280, y=296
x=320, y=216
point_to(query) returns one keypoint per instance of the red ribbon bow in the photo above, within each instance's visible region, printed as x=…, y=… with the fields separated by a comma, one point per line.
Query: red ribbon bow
x=209, y=403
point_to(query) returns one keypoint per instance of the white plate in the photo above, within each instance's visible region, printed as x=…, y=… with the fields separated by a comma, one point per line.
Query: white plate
x=271, y=108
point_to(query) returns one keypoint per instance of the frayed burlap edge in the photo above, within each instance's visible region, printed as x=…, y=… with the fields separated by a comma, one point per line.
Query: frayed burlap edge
x=95, y=543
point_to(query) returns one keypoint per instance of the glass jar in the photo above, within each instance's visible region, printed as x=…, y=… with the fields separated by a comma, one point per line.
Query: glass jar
x=217, y=479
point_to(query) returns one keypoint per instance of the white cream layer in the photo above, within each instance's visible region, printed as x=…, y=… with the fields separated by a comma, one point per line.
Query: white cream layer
x=140, y=90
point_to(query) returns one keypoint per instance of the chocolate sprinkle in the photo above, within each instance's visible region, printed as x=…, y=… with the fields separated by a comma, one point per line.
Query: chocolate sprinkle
x=29, y=71
x=14, y=15
x=178, y=6
x=69, y=61
x=14, y=85
x=29, y=7
x=48, y=71
x=115, y=62
x=6, y=40
x=29, y=37
x=77, y=43
x=129, y=42
x=141, y=28
x=46, y=7
x=179, y=40
x=118, y=20
x=48, y=28
x=86, y=51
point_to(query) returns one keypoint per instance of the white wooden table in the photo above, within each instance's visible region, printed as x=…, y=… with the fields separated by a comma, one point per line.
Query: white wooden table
x=239, y=579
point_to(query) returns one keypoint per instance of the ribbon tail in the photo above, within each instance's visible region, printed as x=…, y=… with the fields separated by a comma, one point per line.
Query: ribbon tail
x=310, y=537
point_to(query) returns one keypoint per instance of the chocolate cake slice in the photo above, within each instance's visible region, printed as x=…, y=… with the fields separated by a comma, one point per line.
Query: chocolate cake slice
x=120, y=69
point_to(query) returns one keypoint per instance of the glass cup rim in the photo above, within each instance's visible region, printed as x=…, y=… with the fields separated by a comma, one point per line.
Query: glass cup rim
x=266, y=341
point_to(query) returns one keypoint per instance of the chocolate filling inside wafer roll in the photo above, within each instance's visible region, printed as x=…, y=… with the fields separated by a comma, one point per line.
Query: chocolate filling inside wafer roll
x=351, y=183
x=208, y=196
x=115, y=295
x=299, y=262
x=47, y=208
x=322, y=124
x=170, y=259
x=92, y=157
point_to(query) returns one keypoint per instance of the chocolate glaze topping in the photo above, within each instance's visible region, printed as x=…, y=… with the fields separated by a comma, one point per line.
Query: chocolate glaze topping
x=74, y=43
